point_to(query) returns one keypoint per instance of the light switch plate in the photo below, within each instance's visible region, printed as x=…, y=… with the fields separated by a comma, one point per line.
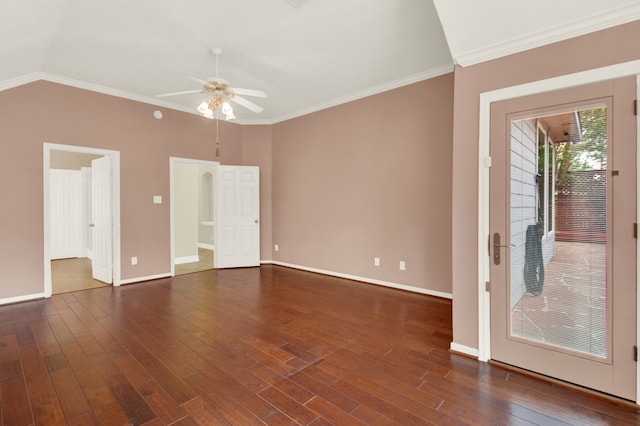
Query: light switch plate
x=157, y=199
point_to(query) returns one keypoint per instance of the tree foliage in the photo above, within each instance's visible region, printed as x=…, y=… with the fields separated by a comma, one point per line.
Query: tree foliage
x=589, y=151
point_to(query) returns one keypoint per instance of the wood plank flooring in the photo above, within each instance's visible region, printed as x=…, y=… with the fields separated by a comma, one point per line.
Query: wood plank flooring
x=72, y=275
x=255, y=346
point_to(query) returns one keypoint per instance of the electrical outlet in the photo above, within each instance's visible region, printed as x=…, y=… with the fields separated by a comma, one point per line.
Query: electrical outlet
x=376, y=261
x=403, y=265
x=276, y=248
x=134, y=260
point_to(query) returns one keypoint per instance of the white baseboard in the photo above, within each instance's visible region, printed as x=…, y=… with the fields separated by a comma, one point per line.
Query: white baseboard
x=363, y=279
x=186, y=259
x=466, y=350
x=24, y=298
x=206, y=246
x=147, y=278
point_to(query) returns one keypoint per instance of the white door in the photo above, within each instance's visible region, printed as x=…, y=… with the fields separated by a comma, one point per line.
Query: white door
x=237, y=213
x=65, y=213
x=101, y=214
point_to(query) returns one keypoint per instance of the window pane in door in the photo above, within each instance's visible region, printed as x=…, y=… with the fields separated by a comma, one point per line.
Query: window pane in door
x=558, y=291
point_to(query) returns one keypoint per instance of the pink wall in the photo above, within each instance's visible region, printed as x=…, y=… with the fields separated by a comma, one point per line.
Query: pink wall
x=369, y=178
x=595, y=50
x=256, y=145
x=364, y=179
x=45, y=112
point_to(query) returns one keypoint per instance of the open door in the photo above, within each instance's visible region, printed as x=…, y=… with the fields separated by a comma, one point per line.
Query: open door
x=101, y=223
x=237, y=212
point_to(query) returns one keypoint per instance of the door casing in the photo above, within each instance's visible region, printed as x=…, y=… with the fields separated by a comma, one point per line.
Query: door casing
x=631, y=68
x=115, y=188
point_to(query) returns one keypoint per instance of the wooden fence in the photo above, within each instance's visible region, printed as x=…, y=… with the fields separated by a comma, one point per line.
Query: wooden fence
x=581, y=206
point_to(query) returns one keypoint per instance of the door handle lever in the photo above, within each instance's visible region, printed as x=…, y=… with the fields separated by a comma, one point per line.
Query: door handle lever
x=496, y=248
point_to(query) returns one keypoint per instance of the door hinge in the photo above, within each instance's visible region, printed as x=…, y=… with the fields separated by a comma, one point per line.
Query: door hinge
x=635, y=230
x=635, y=107
x=635, y=353
x=487, y=286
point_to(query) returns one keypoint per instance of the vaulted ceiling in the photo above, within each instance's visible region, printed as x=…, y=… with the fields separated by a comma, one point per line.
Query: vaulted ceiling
x=305, y=54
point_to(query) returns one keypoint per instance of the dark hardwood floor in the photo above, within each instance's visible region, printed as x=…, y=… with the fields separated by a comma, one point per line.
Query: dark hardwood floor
x=265, y=345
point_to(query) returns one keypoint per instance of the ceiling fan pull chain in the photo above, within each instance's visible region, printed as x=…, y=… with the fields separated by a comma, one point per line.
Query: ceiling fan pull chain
x=217, y=138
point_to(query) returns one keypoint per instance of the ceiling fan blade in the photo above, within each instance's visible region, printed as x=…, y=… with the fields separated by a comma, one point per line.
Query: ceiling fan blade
x=184, y=92
x=198, y=80
x=249, y=92
x=247, y=104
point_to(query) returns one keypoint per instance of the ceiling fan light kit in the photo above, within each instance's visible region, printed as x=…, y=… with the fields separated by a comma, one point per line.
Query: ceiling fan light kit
x=221, y=94
x=220, y=97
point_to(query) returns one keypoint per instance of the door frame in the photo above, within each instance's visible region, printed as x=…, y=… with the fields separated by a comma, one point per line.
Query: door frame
x=612, y=72
x=172, y=162
x=115, y=194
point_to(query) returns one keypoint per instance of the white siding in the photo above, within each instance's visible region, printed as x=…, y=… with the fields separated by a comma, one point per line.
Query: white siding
x=523, y=198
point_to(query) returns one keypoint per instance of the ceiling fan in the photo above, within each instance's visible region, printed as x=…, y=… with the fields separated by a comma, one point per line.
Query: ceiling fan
x=221, y=94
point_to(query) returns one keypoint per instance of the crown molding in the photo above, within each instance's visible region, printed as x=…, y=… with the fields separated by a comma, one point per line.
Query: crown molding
x=53, y=78
x=115, y=92
x=20, y=81
x=405, y=81
x=612, y=18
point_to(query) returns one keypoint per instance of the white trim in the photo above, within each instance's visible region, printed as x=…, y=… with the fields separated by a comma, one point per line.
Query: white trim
x=172, y=162
x=611, y=72
x=206, y=246
x=53, y=78
x=115, y=168
x=364, y=279
x=24, y=298
x=435, y=72
x=464, y=349
x=186, y=259
x=544, y=36
x=147, y=278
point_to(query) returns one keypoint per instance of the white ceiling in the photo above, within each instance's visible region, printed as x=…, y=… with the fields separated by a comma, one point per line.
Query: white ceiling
x=305, y=54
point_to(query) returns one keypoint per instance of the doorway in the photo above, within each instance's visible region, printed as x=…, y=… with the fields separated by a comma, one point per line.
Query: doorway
x=215, y=215
x=192, y=215
x=81, y=250
x=562, y=203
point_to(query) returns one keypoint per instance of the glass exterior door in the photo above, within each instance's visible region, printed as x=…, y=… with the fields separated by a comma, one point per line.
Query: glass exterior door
x=563, y=254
